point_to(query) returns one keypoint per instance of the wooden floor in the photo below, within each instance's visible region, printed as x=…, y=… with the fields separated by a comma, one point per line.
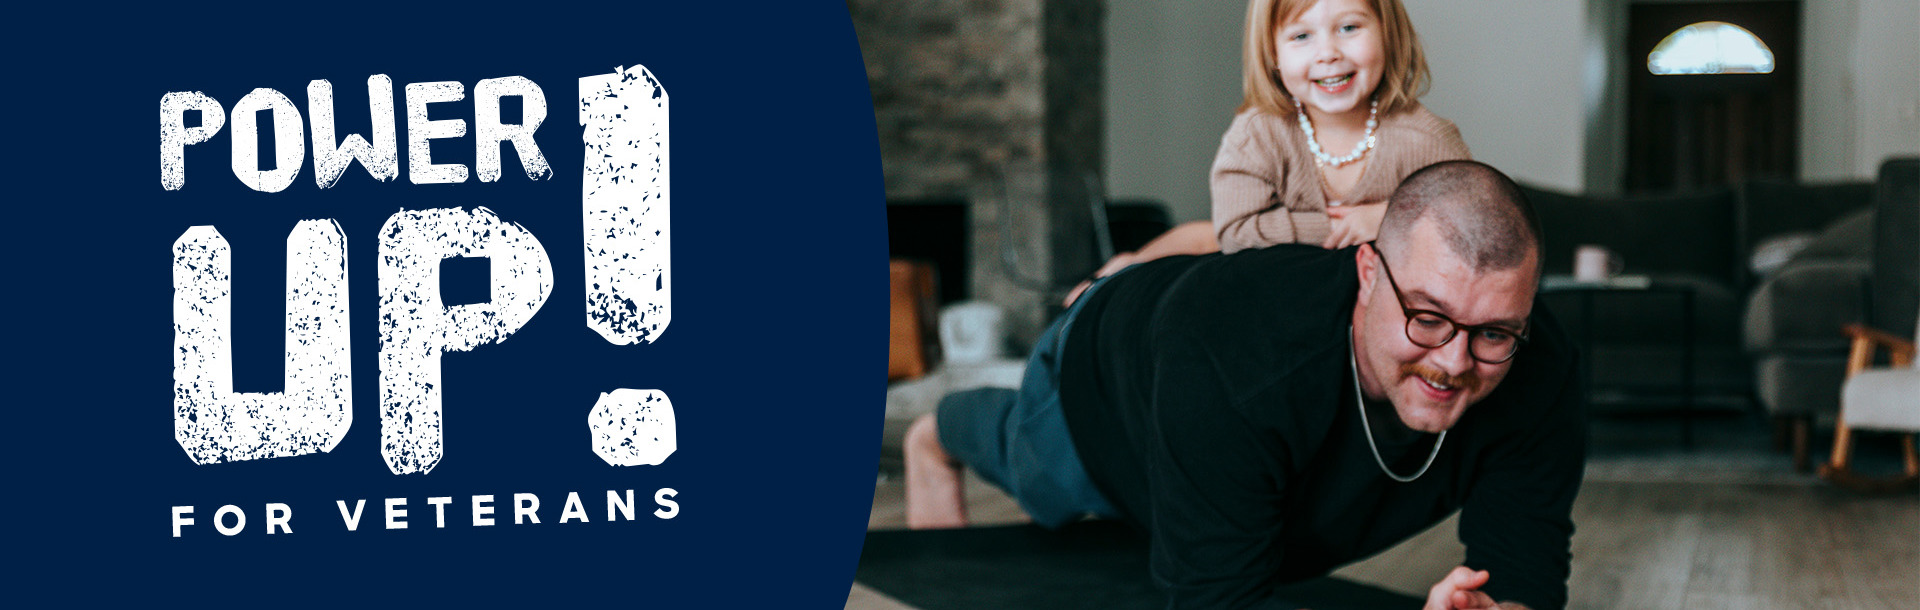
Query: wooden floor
x=1691, y=537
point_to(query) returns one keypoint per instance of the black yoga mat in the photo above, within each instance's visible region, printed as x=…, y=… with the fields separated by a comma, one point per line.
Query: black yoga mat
x=1090, y=564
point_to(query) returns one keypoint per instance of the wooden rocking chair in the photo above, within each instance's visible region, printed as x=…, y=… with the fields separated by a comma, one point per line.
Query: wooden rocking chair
x=1885, y=400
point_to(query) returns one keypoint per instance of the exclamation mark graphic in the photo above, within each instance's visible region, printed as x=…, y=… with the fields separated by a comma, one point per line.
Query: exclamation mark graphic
x=623, y=196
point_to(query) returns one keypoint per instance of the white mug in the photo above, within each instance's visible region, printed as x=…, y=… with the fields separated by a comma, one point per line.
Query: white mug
x=970, y=332
x=1593, y=263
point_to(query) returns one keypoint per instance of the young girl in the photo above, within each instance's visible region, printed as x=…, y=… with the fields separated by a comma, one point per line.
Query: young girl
x=1329, y=126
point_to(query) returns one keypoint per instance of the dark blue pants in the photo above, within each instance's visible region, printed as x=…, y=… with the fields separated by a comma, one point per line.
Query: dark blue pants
x=1018, y=440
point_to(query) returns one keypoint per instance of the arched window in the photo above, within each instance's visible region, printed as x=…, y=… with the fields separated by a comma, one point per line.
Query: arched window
x=1711, y=47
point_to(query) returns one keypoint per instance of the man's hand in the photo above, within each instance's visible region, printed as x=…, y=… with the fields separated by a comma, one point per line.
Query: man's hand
x=1353, y=224
x=1460, y=590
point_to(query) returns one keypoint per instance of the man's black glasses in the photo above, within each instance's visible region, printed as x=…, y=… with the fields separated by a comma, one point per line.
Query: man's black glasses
x=1430, y=329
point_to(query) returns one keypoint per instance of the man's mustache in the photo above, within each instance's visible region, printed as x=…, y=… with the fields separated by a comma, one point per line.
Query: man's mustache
x=1468, y=382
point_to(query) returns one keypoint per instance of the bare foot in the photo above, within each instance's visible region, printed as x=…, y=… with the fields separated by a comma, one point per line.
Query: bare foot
x=934, y=495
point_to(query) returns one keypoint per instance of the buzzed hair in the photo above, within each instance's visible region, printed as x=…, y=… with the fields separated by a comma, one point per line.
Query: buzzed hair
x=1481, y=214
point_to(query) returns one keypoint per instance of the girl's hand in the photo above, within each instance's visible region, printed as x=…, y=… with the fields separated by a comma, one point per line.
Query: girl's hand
x=1114, y=265
x=1354, y=224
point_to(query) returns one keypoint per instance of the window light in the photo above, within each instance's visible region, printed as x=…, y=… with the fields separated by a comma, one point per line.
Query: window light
x=1711, y=47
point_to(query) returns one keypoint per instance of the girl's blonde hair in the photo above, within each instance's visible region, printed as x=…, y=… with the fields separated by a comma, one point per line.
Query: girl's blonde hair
x=1405, y=75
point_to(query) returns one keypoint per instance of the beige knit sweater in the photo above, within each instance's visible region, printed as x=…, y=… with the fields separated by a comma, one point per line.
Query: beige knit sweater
x=1267, y=191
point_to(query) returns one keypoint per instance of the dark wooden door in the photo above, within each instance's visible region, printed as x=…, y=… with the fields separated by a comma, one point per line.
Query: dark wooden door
x=1691, y=131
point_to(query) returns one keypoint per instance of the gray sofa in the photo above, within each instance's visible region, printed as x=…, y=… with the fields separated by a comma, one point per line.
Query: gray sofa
x=1634, y=348
x=1862, y=268
x=1709, y=241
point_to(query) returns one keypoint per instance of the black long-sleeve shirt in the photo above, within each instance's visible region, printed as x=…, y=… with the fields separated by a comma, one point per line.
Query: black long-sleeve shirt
x=1212, y=401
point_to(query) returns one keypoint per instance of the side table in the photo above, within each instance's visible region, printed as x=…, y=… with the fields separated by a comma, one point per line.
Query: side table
x=1634, y=285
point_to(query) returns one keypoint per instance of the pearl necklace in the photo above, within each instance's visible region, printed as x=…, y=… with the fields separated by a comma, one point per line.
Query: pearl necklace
x=1360, y=148
x=1358, y=400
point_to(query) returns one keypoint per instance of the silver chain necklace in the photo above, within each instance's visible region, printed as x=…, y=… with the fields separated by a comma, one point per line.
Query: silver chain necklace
x=1359, y=400
x=1360, y=148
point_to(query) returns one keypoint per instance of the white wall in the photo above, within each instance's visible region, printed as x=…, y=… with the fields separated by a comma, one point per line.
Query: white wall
x=1533, y=85
x=1860, y=90
x=1512, y=75
x=1173, y=80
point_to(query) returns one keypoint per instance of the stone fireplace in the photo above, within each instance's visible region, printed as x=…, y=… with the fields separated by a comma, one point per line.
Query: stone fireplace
x=996, y=105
